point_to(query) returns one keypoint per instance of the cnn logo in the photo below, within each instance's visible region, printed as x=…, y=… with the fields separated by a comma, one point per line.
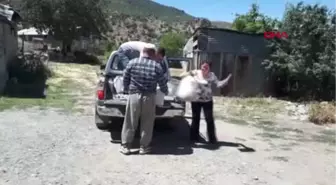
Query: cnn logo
x=272, y=35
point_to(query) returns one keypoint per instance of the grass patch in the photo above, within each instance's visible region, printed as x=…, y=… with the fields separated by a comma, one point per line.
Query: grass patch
x=325, y=136
x=248, y=108
x=68, y=83
x=322, y=113
x=56, y=98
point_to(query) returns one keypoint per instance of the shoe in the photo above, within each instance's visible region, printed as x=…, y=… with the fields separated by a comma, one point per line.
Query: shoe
x=144, y=150
x=195, y=139
x=124, y=150
x=213, y=141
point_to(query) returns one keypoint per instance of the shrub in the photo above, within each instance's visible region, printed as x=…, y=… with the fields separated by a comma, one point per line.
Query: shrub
x=27, y=71
x=322, y=113
x=85, y=58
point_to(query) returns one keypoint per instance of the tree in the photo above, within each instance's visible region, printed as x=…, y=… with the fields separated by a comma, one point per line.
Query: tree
x=66, y=20
x=254, y=22
x=303, y=66
x=173, y=43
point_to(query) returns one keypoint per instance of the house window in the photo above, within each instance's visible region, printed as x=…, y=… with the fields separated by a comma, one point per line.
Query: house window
x=242, y=68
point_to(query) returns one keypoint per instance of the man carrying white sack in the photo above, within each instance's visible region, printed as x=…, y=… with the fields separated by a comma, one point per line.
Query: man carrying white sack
x=141, y=77
x=130, y=50
x=203, y=100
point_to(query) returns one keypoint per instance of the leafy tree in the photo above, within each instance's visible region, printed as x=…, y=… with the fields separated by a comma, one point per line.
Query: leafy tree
x=254, y=22
x=303, y=66
x=173, y=43
x=66, y=20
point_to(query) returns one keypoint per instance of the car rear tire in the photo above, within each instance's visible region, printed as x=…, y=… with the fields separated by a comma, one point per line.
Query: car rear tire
x=102, y=122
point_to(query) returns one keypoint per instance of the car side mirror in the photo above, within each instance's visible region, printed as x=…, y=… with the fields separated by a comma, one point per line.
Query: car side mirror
x=102, y=67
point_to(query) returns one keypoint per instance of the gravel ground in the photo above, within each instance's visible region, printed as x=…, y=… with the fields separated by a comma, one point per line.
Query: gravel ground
x=42, y=147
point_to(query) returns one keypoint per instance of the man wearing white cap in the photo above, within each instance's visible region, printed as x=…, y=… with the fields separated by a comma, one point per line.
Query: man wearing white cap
x=132, y=49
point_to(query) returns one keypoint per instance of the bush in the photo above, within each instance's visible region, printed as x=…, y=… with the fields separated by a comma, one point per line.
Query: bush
x=322, y=113
x=173, y=43
x=85, y=58
x=303, y=66
x=28, y=71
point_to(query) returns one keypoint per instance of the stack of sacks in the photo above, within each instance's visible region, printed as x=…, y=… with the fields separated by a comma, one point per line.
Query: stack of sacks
x=188, y=89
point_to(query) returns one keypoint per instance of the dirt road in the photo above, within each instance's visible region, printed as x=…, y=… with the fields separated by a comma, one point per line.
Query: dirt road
x=41, y=147
x=45, y=146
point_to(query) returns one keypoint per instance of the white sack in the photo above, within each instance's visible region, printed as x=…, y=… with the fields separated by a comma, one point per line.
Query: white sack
x=159, y=98
x=118, y=84
x=188, y=89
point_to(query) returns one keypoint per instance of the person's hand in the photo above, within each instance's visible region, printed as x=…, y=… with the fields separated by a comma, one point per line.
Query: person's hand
x=191, y=73
x=229, y=76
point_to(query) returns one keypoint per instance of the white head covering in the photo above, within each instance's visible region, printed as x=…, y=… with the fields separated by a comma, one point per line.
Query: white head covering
x=150, y=46
x=147, y=46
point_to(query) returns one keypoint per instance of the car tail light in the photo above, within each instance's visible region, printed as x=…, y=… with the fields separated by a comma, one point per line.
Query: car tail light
x=100, y=94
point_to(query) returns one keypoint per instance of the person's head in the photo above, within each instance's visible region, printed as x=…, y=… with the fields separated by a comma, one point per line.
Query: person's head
x=149, y=52
x=161, y=53
x=206, y=67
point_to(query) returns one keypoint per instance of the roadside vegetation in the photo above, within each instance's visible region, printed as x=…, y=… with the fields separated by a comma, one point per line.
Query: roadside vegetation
x=302, y=67
x=322, y=113
x=69, y=85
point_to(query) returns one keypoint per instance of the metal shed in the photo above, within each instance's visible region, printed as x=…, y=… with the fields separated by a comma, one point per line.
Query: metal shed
x=8, y=40
x=238, y=53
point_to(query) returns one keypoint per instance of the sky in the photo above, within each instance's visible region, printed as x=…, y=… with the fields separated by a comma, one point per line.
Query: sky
x=225, y=10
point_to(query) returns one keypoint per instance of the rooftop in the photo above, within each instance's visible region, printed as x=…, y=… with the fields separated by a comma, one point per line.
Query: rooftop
x=9, y=13
x=227, y=30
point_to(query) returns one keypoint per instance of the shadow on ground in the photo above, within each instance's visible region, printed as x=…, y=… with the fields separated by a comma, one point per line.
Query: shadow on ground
x=168, y=138
x=173, y=139
x=241, y=147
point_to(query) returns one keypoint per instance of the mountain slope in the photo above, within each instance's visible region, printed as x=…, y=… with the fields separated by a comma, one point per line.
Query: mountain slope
x=144, y=20
x=147, y=8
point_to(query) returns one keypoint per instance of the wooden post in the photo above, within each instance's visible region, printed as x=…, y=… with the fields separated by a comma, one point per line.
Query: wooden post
x=234, y=74
x=221, y=62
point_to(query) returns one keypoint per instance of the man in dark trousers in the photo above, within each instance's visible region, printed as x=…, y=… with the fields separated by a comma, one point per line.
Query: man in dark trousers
x=141, y=77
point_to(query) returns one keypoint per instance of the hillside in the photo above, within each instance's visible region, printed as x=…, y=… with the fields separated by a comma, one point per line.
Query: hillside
x=144, y=20
x=147, y=8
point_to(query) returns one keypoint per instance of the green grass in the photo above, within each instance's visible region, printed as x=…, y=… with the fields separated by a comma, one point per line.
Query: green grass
x=69, y=82
x=57, y=97
x=260, y=110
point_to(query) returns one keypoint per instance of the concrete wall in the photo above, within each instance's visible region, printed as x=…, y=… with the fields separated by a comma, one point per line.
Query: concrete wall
x=8, y=49
x=227, y=49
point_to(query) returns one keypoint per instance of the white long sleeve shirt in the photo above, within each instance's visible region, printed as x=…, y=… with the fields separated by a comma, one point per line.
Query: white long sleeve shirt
x=137, y=46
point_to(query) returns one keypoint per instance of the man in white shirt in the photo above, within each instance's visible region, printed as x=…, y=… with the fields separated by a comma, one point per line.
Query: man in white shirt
x=132, y=49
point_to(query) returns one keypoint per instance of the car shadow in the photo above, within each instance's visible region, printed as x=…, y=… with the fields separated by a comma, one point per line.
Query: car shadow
x=173, y=139
x=168, y=138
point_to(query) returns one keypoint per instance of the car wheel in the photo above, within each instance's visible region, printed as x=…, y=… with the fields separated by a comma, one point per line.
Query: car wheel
x=102, y=123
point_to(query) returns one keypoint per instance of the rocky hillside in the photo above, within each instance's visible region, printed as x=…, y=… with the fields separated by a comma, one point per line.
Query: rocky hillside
x=131, y=27
x=144, y=20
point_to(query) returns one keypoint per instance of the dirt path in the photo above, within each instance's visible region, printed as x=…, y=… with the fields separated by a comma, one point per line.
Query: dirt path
x=40, y=147
x=53, y=146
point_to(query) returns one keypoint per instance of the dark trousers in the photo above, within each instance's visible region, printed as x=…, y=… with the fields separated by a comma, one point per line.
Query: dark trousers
x=196, y=108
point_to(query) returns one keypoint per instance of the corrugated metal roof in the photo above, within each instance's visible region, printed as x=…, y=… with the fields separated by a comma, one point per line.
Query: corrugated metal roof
x=226, y=30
